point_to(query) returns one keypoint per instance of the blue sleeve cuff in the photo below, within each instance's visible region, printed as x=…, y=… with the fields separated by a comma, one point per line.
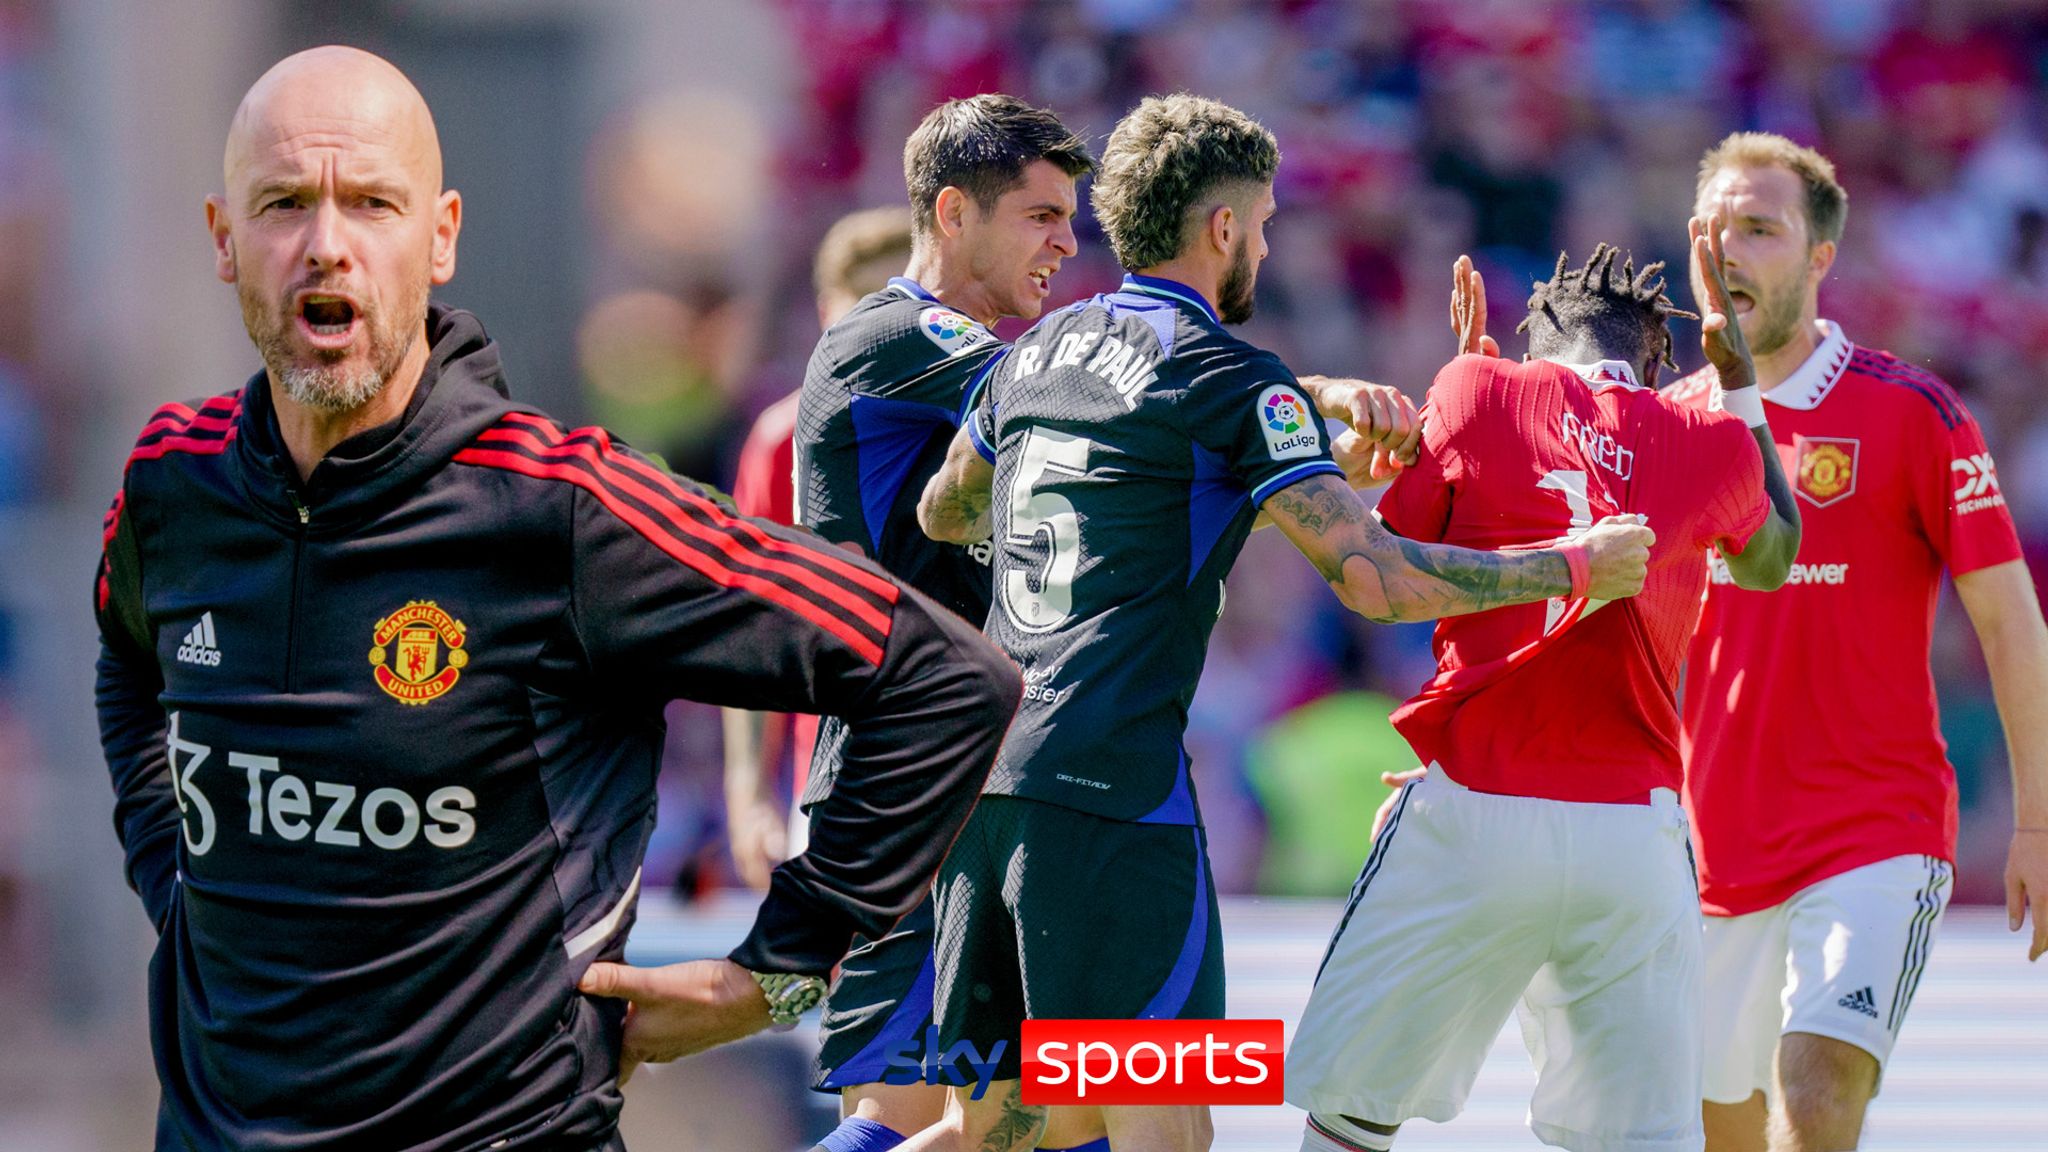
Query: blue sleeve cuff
x=1300, y=471
x=979, y=435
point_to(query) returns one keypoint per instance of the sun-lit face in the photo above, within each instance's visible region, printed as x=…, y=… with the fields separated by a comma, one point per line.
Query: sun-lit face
x=1014, y=250
x=1774, y=269
x=332, y=230
x=1238, y=292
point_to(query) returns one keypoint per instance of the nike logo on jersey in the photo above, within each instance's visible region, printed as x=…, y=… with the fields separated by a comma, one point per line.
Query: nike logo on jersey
x=199, y=646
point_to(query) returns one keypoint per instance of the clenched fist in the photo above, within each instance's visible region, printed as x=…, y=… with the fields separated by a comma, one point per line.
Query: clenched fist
x=1618, y=556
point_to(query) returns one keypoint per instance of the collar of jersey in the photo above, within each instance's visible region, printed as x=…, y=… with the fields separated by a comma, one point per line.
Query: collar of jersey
x=1172, y=290
x=1607, y=374
x=911, y=288
x=1810, y=383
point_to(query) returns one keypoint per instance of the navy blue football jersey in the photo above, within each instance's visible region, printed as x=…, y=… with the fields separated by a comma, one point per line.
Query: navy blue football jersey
x=882, y=397
x=1133, y=439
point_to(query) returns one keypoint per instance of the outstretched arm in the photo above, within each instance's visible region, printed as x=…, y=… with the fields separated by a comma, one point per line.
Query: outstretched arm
x=1388, y=579
x=1766, y=557
x=954, y=507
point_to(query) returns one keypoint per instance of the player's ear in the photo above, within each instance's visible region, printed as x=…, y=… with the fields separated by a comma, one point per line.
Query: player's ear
x=949, y=211
x=223, y=241
x=447, y=225
x=1820, y=258
x=1223, y=226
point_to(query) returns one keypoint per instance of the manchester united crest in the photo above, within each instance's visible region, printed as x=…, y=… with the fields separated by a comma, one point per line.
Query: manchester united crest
x=1825, y=467
x=405, y=652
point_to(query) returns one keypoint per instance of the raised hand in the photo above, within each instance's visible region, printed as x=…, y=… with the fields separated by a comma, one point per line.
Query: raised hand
x=1468, y=310
x=1618, y=556
x=1720, y=336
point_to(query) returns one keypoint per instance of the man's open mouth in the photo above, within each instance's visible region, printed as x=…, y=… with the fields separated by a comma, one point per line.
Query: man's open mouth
x=327, y=316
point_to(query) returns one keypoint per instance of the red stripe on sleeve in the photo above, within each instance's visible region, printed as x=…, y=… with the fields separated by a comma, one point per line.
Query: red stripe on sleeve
x=852, y=573
x=691, y=557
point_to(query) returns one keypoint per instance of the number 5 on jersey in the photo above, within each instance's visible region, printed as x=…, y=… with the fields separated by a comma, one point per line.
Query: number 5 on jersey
x=1040, y=600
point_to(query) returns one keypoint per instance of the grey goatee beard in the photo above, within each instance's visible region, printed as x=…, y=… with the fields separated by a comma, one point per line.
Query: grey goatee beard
x=332, y=390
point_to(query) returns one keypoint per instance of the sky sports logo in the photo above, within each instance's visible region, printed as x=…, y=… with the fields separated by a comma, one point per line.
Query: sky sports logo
x=1152, y=1062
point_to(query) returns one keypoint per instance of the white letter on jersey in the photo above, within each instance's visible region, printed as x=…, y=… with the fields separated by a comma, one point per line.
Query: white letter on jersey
x=183, y=791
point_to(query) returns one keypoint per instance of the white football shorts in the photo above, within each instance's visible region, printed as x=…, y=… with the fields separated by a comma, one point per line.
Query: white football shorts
x=1839, y=959
x=1469, y=904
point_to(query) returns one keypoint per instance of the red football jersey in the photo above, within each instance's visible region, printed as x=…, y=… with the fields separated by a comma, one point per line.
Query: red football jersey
x=1567, y=700
x=1811, y=739
x=764, y=485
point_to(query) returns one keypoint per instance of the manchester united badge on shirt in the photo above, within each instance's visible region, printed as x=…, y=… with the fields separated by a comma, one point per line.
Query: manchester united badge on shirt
x=405, y=652
x=1824, y=468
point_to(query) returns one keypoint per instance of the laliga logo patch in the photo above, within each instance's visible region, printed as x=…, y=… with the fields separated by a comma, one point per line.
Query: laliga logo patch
x=405, y=652
x=1289, y=424
x=1826, y=469
x=951, y=331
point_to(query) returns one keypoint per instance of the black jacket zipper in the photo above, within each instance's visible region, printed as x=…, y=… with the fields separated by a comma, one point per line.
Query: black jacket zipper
x=291, y=623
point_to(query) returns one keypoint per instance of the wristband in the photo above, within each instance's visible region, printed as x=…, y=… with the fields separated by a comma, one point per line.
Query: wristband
x=1744, y=403
x=1580, y=565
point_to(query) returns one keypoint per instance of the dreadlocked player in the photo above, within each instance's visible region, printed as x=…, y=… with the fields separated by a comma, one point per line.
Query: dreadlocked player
x=1543, y=857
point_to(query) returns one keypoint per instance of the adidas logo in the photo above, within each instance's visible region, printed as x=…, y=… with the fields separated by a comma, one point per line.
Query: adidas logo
x=199, y=647
x=1860, y=1001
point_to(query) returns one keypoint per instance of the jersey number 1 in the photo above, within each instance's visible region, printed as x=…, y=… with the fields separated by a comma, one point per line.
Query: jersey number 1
x=1572, y=483
x=1049, y=516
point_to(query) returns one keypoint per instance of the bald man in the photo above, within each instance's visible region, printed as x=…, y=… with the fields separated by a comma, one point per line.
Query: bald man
x=383, y=661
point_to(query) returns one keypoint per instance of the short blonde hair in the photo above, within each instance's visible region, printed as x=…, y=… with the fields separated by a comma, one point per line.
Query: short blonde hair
x=1827, y=204
x=857, y=241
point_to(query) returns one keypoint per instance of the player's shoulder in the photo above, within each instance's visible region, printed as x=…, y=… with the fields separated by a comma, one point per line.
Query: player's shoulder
x=1471, y=386
x=1874, y=376
x=1695, y=390
x=1216, y=358
x=898, y=326
x=190, y=428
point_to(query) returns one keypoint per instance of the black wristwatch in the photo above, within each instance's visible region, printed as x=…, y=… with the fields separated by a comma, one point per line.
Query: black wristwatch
x=790, y=995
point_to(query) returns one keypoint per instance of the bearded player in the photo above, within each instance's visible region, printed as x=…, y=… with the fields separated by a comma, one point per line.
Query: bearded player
x=1823, y=802
x=1120, y=457
x=1543, y=858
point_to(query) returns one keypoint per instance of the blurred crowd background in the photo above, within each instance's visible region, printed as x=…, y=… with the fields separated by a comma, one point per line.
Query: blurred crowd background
x=645, y=183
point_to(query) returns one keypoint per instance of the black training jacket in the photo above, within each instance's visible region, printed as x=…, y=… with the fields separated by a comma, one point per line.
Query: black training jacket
x=383, y=748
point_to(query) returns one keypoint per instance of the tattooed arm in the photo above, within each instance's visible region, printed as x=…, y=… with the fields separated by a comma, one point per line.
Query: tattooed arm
x=954, y=508
x=1387, y=579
